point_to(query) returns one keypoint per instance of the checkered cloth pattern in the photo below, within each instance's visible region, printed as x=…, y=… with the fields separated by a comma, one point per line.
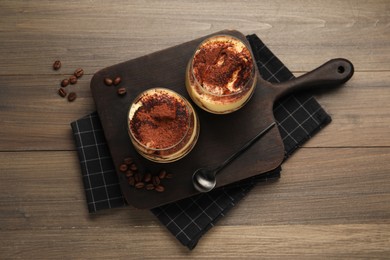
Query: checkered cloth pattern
x=298, y=116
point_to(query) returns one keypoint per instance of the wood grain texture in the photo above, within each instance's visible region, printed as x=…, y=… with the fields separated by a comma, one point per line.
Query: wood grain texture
x=97, y=34
x=247, y=242
x=333, y=199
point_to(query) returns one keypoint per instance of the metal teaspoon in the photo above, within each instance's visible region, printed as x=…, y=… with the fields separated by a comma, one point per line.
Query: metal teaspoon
x=204, y=179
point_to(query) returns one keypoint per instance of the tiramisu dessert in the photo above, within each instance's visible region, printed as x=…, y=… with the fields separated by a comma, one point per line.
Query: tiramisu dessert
x=163, y=126
x=220, y=77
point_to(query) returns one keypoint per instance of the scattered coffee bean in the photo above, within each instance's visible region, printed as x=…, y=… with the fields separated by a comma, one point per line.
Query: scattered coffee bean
x=128, y=160
x=64, y=83
x=149, y=186
x=72, y=96
x=72, y=80
x=62, y=92
x=108, y=81
x=117, y=81
x=133, y=167
x=131, y=181
x=139, y=185
x=147, y=180
x=138, y=177
x=162, y=174
x=57, y=65
x=129, y=173
x=159, y=188
x=121, y=91
x=123, y=167
x=79, y=72
x=148, y=177
x=156, y=180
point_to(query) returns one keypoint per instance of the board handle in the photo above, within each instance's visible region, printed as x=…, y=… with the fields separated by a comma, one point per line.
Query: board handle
x=331, y=74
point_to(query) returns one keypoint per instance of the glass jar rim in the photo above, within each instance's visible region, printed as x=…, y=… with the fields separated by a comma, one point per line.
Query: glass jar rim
x=190, y=111
x=247, y=81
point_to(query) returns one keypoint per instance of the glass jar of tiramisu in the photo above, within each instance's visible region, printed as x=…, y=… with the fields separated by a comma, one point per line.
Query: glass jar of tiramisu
x=162, y=125
x=220, y=77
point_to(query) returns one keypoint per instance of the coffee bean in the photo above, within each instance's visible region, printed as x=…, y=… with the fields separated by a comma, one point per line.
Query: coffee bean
x=148, y=177
x=62, y=92
x=57, y=65
x=156, y=180
x=123, y=167
x=108, y=81
x=64, y=83
x=159, y=188
x=131, y=181
x=79, y=72
x=117, y=81
x=162, y=174
x=128, y=160
x=138, y=177
x=139, y=185
x=72, y=96
x=149, y=186
x=73, y=80
x=133, y=167
x=145, y=180
x=121, y=91
x=129, y=173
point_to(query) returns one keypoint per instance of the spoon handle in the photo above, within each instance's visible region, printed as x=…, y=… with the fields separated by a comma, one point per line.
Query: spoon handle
x=244, y=148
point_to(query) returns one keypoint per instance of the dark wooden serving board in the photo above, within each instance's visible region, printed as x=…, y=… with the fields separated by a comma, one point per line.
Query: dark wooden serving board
x=220, y=135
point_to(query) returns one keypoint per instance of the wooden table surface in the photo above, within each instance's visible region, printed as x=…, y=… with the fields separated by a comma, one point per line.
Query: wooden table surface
x=333, y=199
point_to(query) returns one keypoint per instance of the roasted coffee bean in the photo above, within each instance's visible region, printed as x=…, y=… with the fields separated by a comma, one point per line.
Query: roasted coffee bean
x=169, y=176
x=62, y=92
x=64, y=83
x=73, y=80
x=159, y=188
x=121, y=91
x=133, y=167
x=123, y=167
x=147, y=177
x=149, y=186
x=128, y=160
x=138, y=177
x=129, y=173
x=162, y=174
x=139, y=185
x=108, y=81
x=79, y=72
x=131, y=181
x=117, y=81
x=57, y=65
x=72, y=97
x=156, y=180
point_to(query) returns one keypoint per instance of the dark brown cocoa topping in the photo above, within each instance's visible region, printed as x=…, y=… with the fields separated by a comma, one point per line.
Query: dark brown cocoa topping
x=217, y=62
x=161, y=121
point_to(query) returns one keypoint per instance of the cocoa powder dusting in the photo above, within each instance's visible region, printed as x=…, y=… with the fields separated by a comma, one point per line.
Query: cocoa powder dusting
x=161, y=121
x=217, y=63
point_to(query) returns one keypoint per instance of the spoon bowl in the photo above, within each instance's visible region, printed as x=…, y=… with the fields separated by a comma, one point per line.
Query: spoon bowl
x=204, y=180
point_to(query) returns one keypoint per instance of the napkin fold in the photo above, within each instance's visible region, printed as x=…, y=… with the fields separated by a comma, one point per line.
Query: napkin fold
x=299, y=117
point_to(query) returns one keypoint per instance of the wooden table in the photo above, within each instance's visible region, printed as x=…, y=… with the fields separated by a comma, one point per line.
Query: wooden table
x=333, y=199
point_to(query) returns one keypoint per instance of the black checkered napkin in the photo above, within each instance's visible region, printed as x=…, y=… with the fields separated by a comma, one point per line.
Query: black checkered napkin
x=98, y=171
x=299, y=117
